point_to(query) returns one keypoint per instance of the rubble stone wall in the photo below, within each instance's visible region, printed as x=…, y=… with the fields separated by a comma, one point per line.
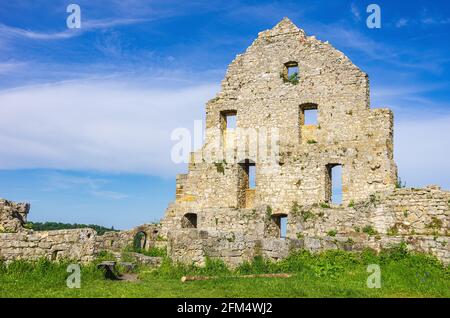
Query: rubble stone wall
x=76, y=244
x=12, y=215
x=347, y=132
x=81, y=245
x=193, y=246
x=419, y=217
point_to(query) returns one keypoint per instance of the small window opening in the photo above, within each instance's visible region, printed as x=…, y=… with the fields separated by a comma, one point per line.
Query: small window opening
x=280, y=222
x=249, y=177
x=334, y=183
x=308, y=114
x=246, y=183
x=231, y=121
x=189, y=220
x=228, y=119
x=291, y=73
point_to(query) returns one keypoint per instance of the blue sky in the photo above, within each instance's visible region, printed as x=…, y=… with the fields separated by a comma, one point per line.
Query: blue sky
x=86, y=115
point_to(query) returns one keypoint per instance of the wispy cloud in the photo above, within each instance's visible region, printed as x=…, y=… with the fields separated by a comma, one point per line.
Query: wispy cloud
x=401, y=23
x=347, y=38
x=8, y=31
x=421, y=151
x=355, y=11
x=411, y=100
x=424, y=21
x=107, y=125
x=86, y=26
x=9, y=67
x=435, y=21
x=93, y=186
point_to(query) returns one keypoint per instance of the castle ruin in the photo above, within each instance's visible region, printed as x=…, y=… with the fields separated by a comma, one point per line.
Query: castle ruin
x=264, y=163
x=272, y=87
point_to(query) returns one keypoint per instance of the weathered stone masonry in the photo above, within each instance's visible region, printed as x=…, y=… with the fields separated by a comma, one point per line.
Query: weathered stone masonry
x=217, y=214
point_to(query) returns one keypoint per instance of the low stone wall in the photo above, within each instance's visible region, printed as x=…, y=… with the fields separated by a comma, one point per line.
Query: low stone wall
x=118, y=241
x=192, y=246
x=81, y=245
x=400, y=212
x=76, y=244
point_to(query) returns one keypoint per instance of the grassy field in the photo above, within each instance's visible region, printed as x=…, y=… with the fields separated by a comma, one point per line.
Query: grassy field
x=330, y=274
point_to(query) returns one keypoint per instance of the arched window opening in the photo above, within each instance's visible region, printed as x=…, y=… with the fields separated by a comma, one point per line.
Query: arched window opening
x=139, y=241
x=189, y=220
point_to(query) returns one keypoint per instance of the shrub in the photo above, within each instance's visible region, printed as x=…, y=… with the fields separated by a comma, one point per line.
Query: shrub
x=392, y=230
x=368, y=229
x=399, y=184
x=332, y=233
x=435, y=223
x=293, y=78
x=306, y=215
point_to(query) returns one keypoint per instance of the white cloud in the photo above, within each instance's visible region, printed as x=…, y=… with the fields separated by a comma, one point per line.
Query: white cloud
x=89, y=25
x=355, y=11
x=422, y=149
x=18, y=32
x=94, y=186
x=421, y=127
x=94, y=124
x=10, y=67
x=401, y=23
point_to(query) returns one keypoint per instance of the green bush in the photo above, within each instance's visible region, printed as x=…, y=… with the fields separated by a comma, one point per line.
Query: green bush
x=332, y=233
x=368, y=229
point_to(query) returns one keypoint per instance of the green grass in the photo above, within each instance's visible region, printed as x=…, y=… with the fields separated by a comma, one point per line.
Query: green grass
x=329, y=274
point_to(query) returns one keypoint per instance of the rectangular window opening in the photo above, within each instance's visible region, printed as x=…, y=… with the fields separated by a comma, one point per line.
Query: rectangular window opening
x=292, y=72
x=231, y=121
x=283, y=227
x=251, y=176
x=309, y=114
x=228, y=119
x=334, y=183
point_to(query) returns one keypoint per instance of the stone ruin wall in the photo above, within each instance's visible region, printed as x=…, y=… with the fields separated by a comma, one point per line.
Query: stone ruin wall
x=77, y=245
x=12, y=215
x=348, y=133
x=191, y=246
x=418, y=217
x=81, y=245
